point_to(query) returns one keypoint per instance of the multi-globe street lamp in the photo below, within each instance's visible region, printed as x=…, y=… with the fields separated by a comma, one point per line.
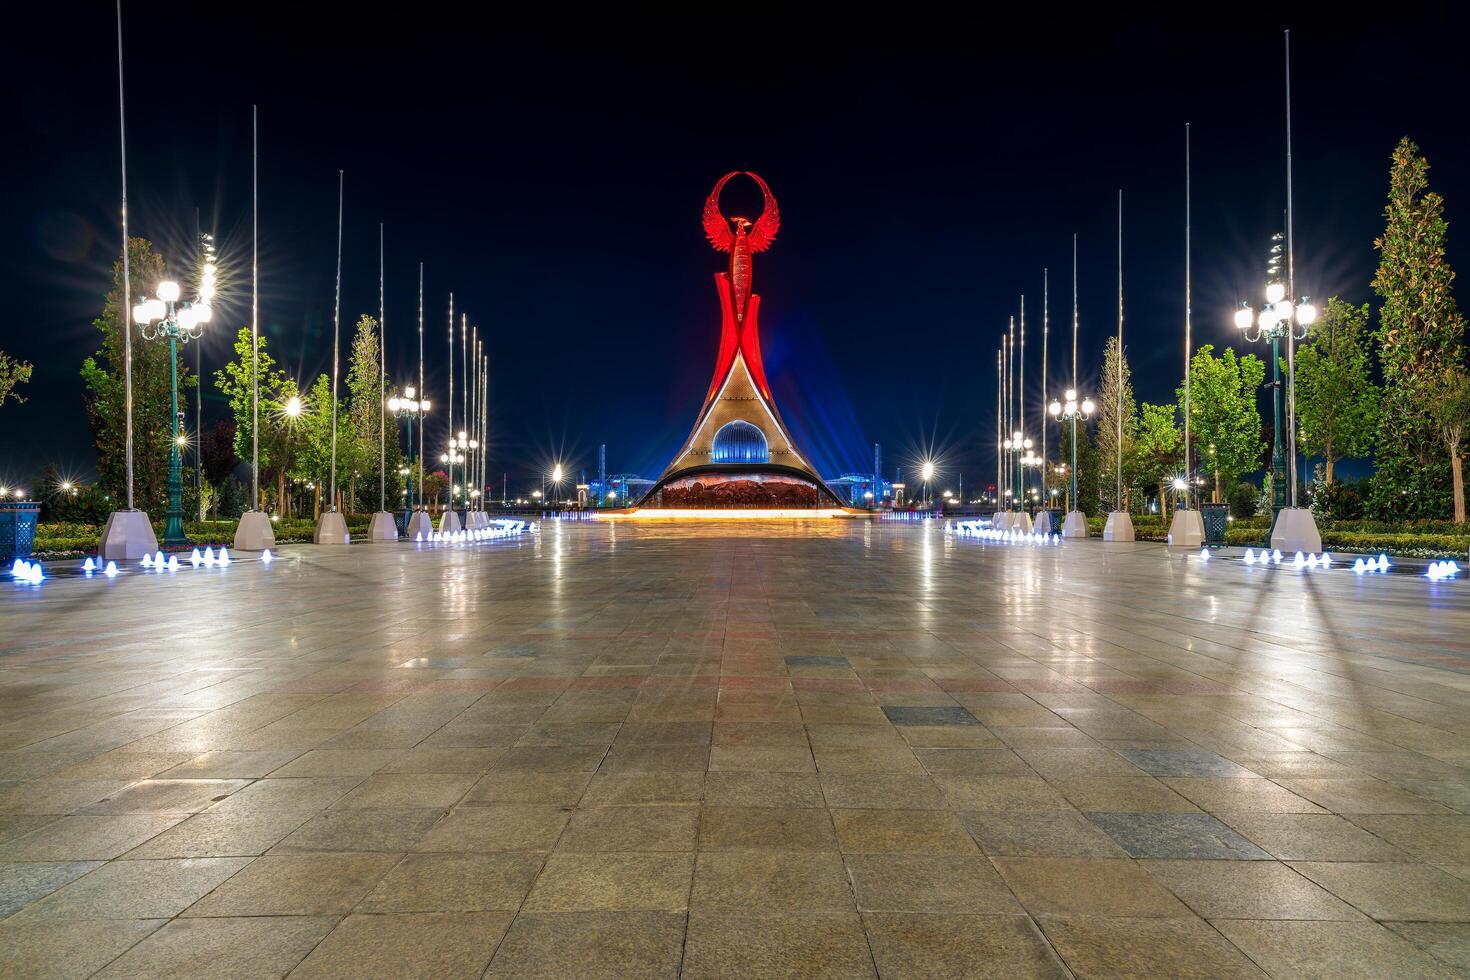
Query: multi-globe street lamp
x=1018, y=444
x=1280, y=318
x=409, y=407
x=449, y=457
x=180, y=321
x=1069, y=413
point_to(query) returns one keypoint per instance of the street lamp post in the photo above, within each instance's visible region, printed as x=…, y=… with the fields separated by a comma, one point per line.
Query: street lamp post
x=926, y=472
x=180, y=321
x=409, y=407
x=1279, y=319
x=1075, y=524
x=450, y=520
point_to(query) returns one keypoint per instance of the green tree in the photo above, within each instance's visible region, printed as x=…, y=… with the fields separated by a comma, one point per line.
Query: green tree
x=1156, y=450
x=102, y=374
x=1448, y=395
x=1421, y=338
x=1088, y=493
x=365, y=397
x=1116, y=377
x=1336, y=400
x=1224, y=418
x=12, y=374
x=236, y=381
x=313, y=459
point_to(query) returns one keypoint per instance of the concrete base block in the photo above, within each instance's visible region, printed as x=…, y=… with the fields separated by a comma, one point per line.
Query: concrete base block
x=127, y=536
x=382, y=528
x=419, y=523
x=1187, y=529
x=1001, y=521
x=1074, y=525
x=255, y=532
x=331, y=528
x=1119, y=526
x=449, y=522
x=1021, y=522
x=1043, y=523
x=1296, y=530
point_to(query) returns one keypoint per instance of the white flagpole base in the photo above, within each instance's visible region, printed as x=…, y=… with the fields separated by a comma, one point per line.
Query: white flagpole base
x=1187, y=529
x=1119, y=526
x=419, y=523
x=382, y=528
x=331, y=528
x=127, y=536
x=1074, y=525
x=449, y=522
x=254, y=532
x=1296, y=530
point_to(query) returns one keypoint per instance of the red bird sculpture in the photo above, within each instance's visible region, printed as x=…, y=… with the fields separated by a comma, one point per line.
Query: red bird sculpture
x=744, y=239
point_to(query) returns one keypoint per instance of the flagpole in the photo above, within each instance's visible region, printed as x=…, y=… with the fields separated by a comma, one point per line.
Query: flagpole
x=127, y=310
x=336, y=339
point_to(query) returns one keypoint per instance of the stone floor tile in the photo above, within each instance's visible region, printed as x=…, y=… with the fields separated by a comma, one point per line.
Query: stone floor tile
x=879, y=831
x=230, y=764
x=391, y=829
x=232, y=948
x=542, y=758
x=272, y=795
x=339, y=762
x=57, y=796
x=865, y=760
x=502, y=827
x=1097, y=763
x=929, y=716
x=956, y=884
x=1174, y=762
x=1247, y=890
x=455, y=883
x=632, y=828
x=1448, y=942
x=1087, y=886
x=222, y=834
x=1005, y=793
x=798, y=947
x=561, y=788
x=430, y=945
x=1347, y=950
x=1311, y=837
x=590, y=946
x=13, y=825
x=67, y=950
x=973, y=762
x=415, y=789
x=1432, y=838
x=940, y=945
x=1176, y=835
x=297, y=884
x=136, y=889
x=890, y=790
x=799, y=828
x=21, y=884
x=1093, y=946
x=761, y=758
x=1360, y=796
x=622, y=881
x=1240, y=795
x=644, y=789
x=1122, y=795
x=817, y=661
x=86, y=838
x=179, y=796
x=1399, y=892
x=122, y=764
x=1039, y=833
x=789, y=881
x=775, y=789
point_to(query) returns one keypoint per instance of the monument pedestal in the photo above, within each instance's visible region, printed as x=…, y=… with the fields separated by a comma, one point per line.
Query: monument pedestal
x=382, y=528
x=331, y=528
x=127, y=536
x=1119, y=526
x=1187, y=529
x=254, y=532
x=419, y=525
x=1074, y=525
x=1296, y=530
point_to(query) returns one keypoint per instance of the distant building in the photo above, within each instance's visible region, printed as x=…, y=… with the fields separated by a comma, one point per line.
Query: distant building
x=853, y=489
x=618, y=490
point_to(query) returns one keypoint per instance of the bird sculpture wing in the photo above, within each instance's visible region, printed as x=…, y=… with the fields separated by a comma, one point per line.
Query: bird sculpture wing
x=766, y=226
x=716, y=228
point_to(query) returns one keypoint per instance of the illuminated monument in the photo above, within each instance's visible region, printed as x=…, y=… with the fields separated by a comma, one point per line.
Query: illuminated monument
x=740, y=455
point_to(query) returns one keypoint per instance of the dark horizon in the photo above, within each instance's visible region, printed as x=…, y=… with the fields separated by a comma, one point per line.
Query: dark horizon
x=552, y=179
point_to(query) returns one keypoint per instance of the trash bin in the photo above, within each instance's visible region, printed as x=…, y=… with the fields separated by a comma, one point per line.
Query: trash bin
x=18, y=528
x=1216, y=517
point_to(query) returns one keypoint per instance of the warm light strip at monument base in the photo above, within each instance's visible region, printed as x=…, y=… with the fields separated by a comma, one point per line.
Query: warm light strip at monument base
x=767, y=514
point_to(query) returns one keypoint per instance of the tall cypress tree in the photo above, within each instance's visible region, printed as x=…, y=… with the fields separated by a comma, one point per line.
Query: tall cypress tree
x=1421, y=337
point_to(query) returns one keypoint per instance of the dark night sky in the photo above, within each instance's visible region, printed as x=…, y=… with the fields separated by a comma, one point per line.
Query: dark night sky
x=552, y=174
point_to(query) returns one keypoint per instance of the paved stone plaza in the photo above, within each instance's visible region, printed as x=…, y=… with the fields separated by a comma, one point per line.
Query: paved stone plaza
x=650, y=750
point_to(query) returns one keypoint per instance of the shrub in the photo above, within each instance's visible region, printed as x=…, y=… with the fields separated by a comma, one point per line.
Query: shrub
x=1242, y=500
x=1338, y=501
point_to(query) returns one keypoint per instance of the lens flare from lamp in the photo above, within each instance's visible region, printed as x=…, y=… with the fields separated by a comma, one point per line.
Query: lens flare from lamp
x=1244, y=318
x=168, y=291
x=1275, y=292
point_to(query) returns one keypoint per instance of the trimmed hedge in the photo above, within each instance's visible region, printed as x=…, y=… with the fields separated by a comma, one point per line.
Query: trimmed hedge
x=55, y=542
